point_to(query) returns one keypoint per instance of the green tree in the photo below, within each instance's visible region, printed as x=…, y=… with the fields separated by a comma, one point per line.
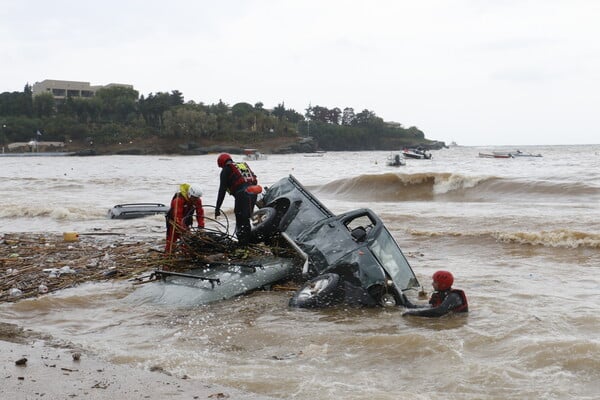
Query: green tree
x=223, y=117
x=279, y=111
x=366, y=117
x=19, y=128
x=293, y=117
x=348, y=116
x=16, y=103
x=415, y=132
x=43, y=105
x=334, y=116
x=241, y=110
x=189, y=122
x=176, y=98
x=118, y=103
x=153, y=107
x=64, y=127
x=324, y=115
x=27, y=100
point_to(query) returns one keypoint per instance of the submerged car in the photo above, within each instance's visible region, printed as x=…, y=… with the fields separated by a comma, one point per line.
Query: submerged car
x=136, y=210
x=349, y=258
x=213, y=282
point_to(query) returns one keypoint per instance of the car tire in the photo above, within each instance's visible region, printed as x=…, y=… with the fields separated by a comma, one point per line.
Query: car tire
x=322, y=291
x=263, y=223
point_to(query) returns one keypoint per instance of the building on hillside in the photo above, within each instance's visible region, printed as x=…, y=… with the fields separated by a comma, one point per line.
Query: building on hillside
x=64, y=89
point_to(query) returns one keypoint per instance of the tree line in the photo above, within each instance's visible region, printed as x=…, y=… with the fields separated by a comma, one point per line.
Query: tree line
x=116, y=114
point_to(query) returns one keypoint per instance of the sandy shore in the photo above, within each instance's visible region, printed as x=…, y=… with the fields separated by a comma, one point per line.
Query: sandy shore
x=52, y=372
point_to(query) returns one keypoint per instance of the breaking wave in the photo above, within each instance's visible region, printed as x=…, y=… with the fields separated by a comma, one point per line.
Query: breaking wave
x=453, y=187
x=558, y=238
x=55, y=213
x=561, y=238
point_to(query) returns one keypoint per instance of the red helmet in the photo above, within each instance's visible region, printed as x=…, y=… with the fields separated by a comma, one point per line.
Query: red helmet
x=444, y=280
x=222, y=159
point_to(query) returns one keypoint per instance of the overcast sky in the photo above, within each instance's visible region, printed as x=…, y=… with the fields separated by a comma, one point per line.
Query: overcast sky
x=477, y=72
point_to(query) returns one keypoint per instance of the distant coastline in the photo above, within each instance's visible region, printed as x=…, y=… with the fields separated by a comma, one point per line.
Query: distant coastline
x=157, y=146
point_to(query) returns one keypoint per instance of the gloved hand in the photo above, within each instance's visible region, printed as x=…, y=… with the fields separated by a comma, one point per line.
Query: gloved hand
x=217, y=212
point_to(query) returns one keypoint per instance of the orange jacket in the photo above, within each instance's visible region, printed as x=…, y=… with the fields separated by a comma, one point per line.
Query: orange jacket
x=181, y=213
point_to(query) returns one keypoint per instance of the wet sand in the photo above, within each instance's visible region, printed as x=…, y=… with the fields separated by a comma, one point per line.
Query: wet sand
x=50, y=370
x=59, y=372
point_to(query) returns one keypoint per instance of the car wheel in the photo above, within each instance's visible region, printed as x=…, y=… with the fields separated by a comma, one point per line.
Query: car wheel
x=321, y=291
x=263, y=224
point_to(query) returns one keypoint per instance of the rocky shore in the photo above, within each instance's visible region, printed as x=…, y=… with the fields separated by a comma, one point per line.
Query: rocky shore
x=157, y=146
x=265, y=145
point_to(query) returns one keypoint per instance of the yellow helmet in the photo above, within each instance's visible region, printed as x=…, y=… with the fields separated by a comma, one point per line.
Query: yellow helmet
x=184, y=189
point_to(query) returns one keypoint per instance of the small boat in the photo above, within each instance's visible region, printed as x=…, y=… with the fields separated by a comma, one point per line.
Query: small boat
x=519, y=153
x=395, y=160
x=253, y=155
x=136, y=210
x=318, y=153
x=418, y=153
x=495, y=154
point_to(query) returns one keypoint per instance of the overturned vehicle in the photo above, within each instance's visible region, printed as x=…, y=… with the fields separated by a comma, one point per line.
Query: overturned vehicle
x=349, y=258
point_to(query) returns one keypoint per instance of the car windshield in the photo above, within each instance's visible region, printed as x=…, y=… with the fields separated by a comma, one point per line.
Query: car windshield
x=393, y=261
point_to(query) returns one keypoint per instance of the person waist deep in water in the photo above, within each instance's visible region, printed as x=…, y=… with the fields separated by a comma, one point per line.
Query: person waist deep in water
x=443, y=300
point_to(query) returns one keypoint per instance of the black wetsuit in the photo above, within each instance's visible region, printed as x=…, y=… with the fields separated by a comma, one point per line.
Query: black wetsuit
x=441, y=303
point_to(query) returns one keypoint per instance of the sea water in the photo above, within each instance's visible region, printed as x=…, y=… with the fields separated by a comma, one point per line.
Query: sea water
x=521, y=236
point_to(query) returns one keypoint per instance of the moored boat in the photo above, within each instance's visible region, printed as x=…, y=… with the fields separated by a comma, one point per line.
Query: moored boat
x=313, y=155
x=395, y=160
x=495, y=154
x=418, y=153
x=519, y=153
x=253, y=155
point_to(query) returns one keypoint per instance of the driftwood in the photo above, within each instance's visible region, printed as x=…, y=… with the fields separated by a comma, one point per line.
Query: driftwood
x=32, y=264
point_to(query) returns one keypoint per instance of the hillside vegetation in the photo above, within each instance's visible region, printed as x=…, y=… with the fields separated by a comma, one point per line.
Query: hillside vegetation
x=119, y=120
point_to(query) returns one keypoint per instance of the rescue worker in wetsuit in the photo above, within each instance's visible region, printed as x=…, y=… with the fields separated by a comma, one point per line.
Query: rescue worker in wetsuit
x=239, y=181
x=443, y=300
x=181, y=214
